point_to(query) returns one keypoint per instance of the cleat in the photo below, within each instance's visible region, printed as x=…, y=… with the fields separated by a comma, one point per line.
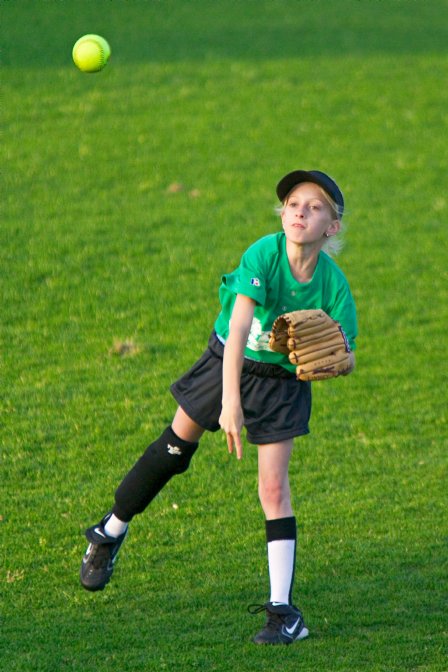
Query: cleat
x=284, y=624
x=100, y=556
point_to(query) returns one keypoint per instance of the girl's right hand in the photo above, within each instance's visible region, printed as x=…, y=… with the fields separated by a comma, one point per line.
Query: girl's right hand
x=231, y=422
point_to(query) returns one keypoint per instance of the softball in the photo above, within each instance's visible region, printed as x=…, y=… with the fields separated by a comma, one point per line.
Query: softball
x=91, y=53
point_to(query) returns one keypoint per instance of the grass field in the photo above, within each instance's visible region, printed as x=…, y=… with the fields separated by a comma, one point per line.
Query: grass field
x=126, y=195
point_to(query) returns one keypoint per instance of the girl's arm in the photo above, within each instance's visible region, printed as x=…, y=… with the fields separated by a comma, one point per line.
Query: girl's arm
x=231, y=418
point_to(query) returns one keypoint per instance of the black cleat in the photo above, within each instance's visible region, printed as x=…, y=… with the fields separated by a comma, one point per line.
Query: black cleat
x=284, y=624
x=98, y=561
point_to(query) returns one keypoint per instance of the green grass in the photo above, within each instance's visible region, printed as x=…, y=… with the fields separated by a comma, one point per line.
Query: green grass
x=222, y=98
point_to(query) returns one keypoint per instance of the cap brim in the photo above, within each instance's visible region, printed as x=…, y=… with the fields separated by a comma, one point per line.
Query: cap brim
x=291, y=180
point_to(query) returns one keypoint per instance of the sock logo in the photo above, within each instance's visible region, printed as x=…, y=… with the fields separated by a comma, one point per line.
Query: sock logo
x=174, y=450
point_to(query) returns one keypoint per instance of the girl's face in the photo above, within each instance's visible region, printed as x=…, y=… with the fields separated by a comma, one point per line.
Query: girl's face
x=307, y=216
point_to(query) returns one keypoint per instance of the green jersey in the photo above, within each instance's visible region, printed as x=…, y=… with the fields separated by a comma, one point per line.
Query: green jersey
x=264, y=275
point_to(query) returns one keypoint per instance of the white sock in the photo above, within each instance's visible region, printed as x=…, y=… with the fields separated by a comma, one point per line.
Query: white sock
x=281, y=555
x=114, y=526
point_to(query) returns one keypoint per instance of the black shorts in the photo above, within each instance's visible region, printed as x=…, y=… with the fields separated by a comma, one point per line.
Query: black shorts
x=276, y=406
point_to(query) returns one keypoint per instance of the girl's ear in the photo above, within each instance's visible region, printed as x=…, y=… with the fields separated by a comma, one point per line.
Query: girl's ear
x=334, y=228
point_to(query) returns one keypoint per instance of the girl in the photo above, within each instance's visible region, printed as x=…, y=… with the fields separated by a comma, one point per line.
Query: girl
x=239, y=382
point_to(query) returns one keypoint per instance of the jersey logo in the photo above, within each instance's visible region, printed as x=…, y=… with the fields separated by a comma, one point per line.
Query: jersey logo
x=255, y=281
x=258, y=339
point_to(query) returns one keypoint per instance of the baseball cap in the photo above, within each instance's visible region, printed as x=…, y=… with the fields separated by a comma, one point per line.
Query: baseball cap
x=291, y=180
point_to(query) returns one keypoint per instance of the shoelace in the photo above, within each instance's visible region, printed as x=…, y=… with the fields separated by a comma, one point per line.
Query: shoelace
x=256, y=608
x=274, y=621
x=99, y=556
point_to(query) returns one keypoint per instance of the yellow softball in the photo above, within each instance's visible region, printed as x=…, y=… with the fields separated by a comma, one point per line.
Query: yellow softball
x=91, y=53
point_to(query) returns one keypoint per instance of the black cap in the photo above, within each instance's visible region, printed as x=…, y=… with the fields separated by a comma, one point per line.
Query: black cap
x=291, y=180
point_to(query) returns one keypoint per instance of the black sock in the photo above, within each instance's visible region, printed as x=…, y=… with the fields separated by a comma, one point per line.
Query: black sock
x=165, y=457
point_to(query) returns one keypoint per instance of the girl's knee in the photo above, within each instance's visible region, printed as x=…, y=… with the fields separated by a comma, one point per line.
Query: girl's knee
x=273, y=493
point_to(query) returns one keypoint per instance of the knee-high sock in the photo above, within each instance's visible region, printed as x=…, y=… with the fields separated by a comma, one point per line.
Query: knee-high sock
x=281, y=537
x=165, y=457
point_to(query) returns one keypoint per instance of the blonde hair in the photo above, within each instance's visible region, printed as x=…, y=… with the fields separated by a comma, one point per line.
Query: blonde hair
x=334, y=244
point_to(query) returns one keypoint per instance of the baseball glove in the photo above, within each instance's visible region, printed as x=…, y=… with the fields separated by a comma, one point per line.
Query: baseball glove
x=314, y=342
